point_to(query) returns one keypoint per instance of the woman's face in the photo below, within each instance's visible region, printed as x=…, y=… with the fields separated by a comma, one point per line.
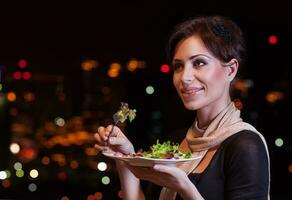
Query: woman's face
x=199, y=77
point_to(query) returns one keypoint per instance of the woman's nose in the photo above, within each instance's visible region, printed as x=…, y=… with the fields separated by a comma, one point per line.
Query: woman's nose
x=187, y=75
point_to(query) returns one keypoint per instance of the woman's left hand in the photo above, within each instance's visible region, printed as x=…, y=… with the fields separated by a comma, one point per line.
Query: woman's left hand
x=163, y=175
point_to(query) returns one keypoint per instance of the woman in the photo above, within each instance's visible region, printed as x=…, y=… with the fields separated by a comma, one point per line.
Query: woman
x=205, y=53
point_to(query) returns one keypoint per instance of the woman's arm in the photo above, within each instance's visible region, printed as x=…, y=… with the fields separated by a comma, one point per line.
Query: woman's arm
x=130, y=184
x=189, y=192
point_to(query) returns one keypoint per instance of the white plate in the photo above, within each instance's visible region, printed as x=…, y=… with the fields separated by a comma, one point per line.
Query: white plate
x=148, y=162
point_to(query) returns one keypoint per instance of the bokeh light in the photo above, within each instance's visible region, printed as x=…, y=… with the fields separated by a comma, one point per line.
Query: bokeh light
x=32, y=187
x=26, y=75
x=273, y=39
x=105, y=180
x=46, y=160
x=3, y=175
x=59, y=121
x=101, y=166
x=17, y=166
x=11, y=96
x=6, y=183
x=64, y=198
x=149, y=90
x=279, y=142
x=22, y=63
x=17, y=75
x=34, y=173
x=165, y=68
x=14, y=148
x=19, y=173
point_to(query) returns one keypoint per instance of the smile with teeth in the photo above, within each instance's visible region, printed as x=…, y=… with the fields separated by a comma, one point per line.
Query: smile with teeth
x=190, y=92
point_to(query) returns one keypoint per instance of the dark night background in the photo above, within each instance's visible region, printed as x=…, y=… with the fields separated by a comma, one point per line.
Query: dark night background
x=55, y=39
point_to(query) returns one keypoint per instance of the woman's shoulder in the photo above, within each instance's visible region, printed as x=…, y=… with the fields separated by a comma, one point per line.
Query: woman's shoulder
x=246, y=138
x=245, y=144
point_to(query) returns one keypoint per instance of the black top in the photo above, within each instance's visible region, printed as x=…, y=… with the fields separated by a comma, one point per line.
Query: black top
x=238, y=170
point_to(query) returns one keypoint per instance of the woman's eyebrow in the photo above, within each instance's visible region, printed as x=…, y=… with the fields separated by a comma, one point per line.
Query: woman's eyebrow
x=192, y=57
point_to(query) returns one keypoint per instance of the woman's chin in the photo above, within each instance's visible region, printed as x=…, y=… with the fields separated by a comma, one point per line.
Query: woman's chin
x=191, y=105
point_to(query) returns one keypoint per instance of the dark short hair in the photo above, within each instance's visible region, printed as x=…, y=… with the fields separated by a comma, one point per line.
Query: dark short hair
x=221, y=36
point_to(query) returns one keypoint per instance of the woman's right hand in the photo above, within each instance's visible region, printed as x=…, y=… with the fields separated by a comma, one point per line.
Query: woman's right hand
x=117, y=142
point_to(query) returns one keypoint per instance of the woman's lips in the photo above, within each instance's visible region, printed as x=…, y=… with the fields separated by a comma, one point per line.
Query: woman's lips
x=188, y=93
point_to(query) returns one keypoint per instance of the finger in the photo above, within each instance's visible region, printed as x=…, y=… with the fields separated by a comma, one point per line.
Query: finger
x=99, y=139
x=99, y=147
x=109, y=128
x=103, y=133
x=116, y=131
x=163, y=168
x=117, y=141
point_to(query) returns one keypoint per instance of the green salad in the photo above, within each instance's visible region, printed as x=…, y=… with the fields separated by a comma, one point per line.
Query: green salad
x=165, y=150
x=124, y=113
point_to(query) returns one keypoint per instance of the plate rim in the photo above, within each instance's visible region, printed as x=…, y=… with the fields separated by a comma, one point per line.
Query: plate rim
x=137, y=158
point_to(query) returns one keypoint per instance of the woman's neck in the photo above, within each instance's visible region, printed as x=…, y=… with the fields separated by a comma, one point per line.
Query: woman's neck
x=206, y=114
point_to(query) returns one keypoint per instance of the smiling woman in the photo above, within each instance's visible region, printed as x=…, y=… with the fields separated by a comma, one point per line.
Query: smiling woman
x=205, y=53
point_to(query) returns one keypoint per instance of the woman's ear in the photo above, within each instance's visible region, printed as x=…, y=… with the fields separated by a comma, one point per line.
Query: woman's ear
x=231, y=69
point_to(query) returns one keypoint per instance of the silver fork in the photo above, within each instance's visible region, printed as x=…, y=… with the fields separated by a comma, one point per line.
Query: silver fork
x=116, y=120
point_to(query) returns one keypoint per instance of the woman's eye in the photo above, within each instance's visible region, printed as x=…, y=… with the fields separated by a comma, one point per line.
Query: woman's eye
x=177, y=66
x=198, y=63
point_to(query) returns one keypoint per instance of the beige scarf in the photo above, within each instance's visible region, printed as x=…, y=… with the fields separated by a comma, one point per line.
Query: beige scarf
x=226, y=123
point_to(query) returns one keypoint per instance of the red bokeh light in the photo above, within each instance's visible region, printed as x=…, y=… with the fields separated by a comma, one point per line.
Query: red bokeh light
x=164, y=68
x=273, y=39
x=26, y=75
x=17, y=75
x=22, y=63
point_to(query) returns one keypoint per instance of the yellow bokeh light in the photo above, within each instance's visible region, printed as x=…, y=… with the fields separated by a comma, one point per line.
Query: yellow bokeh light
x=88, y=65
x=29, y=96
x=113, y=73
x=11, y=96
x=90, y=151
x=132, y=65
x=115, y=66
x=274, y=96
x=114, y=70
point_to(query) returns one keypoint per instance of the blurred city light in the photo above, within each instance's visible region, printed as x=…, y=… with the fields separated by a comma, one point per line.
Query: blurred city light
x=114, y=70
x=101, y=166
x=279, y=142
x=149, y=90
x=17, y=75
x=59, y=121
x=165, y=68
x=89, y=65
x=26, y=75
x=32, y=187
x=34, y=173
x=105, y=180
x=17, y=166
x=3, y=175
x=19, y=173
x=274, y=96
x=11, y=96
x=22, y=63
x=132, y=65
x=273, y=39
x=14, y=148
